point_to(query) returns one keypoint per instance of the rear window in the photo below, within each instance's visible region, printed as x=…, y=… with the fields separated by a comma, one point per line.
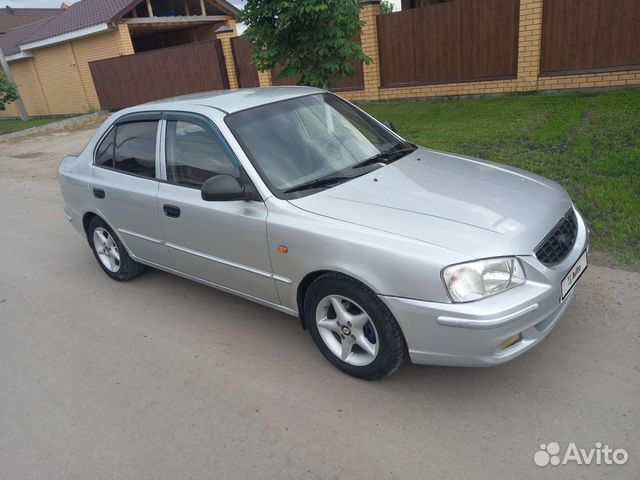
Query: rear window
x=135, y=150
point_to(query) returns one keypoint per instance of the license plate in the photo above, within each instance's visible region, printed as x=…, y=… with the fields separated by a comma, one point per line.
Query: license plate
x=574, y=274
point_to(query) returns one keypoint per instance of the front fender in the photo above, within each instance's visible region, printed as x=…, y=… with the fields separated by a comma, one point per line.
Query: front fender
x=389, y=264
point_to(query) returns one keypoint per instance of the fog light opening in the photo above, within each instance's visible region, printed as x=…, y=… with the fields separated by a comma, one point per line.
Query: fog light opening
x=510, y=342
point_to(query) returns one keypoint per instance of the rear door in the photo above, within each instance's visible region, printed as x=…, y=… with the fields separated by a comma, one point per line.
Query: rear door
x=224, y=243
x=124, y=184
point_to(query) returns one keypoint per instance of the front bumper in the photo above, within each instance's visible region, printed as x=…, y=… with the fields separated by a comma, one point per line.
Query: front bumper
x=471, y=334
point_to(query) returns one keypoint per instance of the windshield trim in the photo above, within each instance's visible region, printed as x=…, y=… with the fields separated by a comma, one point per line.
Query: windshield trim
x=279, y=193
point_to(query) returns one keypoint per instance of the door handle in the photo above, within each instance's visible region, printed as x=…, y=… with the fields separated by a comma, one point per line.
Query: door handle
x=98, y=193
x=171, y=211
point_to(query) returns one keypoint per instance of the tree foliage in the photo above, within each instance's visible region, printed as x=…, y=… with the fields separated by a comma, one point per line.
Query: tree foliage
x=386, y=7
x=313, y=41
x=8, y=91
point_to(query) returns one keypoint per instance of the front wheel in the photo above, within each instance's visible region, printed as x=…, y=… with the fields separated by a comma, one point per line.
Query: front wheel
x=353, y=328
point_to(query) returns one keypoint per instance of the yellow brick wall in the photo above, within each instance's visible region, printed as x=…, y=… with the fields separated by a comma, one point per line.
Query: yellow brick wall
x=265, y=79
x=10, y=111
x=599, y=80
x=26, y=76
x=60, y=80
x=57, y=80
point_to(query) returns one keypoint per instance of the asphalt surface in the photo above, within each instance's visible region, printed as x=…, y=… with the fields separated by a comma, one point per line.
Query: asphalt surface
x=162, y=378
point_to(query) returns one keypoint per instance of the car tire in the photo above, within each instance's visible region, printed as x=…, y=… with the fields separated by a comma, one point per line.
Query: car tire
x=377, y=348
x=110, y=253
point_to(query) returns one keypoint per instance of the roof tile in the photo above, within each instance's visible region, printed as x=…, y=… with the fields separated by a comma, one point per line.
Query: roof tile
x=11, y=18
x=10, y=41
x=88, y=13
x=81, y=15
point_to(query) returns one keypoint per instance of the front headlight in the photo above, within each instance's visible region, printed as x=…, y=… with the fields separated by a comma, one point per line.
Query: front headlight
x=466, y=282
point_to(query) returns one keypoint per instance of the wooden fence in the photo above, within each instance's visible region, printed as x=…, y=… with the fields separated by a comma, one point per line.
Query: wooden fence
x=457, y=47
x=248, y=75
x=463, y=40
x=132, y=79
x=245, y=70
x=586, y=35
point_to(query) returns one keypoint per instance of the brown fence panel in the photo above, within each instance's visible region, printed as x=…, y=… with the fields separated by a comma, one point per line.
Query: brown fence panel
x=457, y=41
x=245, y=70
x=133, y=79
x=586, y=35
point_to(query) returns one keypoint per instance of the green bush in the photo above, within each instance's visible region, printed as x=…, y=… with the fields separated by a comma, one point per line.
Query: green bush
x=311, y=40
x=8, y=91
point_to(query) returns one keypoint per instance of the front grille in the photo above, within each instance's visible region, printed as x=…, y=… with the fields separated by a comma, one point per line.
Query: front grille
x=557, y=245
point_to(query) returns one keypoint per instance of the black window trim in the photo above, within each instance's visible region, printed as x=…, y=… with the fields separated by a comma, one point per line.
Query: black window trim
x=161, y=116
x=125, y=119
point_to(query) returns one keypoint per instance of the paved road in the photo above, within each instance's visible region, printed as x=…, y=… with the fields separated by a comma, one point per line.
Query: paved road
x=167, y=379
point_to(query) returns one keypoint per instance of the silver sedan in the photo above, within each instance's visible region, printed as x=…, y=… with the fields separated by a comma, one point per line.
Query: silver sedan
x=300, y=201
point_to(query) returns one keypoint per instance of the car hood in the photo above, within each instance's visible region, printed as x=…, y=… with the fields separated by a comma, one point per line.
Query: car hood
x=475, y=207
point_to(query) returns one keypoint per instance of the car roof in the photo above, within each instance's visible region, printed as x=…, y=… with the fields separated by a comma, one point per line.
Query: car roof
x=230, y=101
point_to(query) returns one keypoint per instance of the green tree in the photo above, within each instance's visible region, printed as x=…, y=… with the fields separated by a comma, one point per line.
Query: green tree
x=8, y=91
x=386, y=7
x=311, y=40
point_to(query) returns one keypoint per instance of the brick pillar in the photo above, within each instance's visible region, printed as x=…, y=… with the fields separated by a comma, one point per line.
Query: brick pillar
x=265, y=79
x=225, y=34
x=369, y=39
x=232, y=25
x=529, y=44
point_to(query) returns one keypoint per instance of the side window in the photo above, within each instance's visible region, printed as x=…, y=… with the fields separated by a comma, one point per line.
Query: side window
x=195, y=153
x=104, y=154
x=136, y=148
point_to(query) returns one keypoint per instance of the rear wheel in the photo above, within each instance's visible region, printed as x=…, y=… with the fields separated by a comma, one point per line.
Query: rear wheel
x=353, y=328
x=110, y=253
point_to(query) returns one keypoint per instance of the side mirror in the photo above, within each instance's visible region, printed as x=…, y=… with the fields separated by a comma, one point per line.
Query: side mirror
x=390, y=126
x=222, y=188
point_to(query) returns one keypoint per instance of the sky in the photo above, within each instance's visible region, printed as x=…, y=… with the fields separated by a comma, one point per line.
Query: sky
x=56, y=3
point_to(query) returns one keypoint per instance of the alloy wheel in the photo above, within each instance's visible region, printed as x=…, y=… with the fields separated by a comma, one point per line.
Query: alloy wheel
x=106, y=249
x=347, y=330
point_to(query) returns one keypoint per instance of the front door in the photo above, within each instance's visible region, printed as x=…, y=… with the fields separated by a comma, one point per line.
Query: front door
x=224, y=243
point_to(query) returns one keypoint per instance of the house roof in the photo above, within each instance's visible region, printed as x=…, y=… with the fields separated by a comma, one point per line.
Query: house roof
x=9, y=42
x=89, y=13
x=11, y=18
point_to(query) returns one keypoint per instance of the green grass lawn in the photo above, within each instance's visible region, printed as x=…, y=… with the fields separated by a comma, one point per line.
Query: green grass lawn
x=588, y=142
x=15, y=125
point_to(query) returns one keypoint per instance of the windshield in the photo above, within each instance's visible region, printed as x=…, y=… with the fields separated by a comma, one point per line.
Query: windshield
x=312, y=142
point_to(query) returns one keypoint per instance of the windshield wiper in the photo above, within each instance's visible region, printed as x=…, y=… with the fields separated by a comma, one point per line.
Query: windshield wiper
x=320, y=182
x=386, y=157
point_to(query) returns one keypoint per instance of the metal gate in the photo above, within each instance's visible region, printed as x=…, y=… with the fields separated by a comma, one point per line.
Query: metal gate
x=133, y=79
x=245, y=70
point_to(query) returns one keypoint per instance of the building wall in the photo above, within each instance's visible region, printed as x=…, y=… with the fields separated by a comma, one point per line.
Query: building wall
x=60, y=79
x=28, y=81
x=10, y=111
x=57, y=80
